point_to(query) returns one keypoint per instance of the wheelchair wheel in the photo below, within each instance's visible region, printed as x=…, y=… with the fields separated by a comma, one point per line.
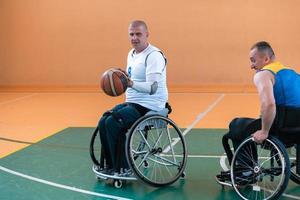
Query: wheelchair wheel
x=292, y=155
x=260, y=171
x=157, y=141
x=95, y=148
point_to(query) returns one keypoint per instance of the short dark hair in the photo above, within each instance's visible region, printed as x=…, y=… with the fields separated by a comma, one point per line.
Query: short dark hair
x=136, y=23
x=265, y=47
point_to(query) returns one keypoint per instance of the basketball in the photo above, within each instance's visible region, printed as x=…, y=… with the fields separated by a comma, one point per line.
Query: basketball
x=114, y=82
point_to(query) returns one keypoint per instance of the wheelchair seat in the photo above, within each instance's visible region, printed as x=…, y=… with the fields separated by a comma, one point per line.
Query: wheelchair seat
x=287, y=123
x=289, y=135
x=164, y=112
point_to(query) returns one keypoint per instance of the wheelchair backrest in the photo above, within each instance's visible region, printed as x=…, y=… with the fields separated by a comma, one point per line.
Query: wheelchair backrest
x=287, y=117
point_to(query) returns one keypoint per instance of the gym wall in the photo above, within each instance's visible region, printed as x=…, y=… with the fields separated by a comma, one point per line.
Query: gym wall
x=48, y=44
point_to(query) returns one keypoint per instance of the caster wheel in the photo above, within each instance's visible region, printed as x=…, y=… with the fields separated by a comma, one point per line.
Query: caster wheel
x=146, y=164
x=182, y=175
x=118, y=183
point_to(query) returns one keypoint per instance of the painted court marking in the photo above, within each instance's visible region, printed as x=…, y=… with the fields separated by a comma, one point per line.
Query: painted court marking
x=198, y=118
x=203, y=114
x=60, y=185
x=17, y=99
x=106, y=195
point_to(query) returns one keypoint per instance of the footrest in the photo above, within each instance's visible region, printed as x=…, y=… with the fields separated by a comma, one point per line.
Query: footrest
x=223, y=180
x=224, y=176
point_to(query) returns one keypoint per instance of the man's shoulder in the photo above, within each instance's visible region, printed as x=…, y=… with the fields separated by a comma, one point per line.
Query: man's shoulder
x=263, y=73
x=153, y=48
x=154, y=52
x=263, y=76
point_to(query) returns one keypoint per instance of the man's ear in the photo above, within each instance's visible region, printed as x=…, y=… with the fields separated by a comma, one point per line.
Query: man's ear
x=267, y=59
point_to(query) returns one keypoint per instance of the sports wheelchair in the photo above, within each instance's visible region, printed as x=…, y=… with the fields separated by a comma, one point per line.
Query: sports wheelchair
x=155, y=152
x=262, y=171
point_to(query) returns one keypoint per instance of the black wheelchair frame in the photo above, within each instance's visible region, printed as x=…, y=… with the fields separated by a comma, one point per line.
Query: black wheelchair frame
x=149, y=145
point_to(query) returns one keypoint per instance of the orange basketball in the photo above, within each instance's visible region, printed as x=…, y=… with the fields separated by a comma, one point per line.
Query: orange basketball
x=114, y=82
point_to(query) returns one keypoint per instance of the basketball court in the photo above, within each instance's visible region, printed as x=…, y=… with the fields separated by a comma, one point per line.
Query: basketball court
x=53, y=54
x=54, y=163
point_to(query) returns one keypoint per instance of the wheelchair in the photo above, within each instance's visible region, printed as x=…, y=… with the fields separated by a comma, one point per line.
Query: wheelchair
x=262, y=171
x=155, y=152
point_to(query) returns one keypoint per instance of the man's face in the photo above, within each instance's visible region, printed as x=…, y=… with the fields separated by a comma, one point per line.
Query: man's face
x=138, y=37
x=258, y=59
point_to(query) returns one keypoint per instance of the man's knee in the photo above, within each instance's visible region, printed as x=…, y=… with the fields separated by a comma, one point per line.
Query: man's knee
x=113, y=127
x=236, y=123
x=101, y=123
x=241, y=128
x=102, y=120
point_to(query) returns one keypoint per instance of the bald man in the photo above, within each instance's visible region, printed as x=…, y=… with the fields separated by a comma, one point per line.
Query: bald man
x=147, y=90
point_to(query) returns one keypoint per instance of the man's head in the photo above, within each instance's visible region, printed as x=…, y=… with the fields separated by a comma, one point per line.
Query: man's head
x=261, y=54
x=138, y=35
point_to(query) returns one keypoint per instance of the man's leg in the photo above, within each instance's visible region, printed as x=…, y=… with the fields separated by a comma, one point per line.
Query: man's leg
x=103, y=135
x=240, y=129
x=104, y=142
x=116, y=124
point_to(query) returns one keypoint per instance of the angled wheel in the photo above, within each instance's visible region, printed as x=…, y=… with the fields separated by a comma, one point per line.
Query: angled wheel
x=260, y=171
x=157, y=141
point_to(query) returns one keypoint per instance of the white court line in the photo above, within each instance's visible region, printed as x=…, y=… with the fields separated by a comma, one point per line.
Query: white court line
x=203, y=114
x=17, y=99
x=61, y=186
x=225, y=167
x=198, y=118
x=290, y=196
x=283, y=194
x=192, y=156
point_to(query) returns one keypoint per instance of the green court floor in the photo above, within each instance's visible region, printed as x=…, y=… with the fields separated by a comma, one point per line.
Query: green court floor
x=59, y=167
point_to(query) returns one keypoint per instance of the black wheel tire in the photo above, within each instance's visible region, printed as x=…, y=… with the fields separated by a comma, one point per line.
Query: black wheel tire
x=92, y=154
x=287, y=170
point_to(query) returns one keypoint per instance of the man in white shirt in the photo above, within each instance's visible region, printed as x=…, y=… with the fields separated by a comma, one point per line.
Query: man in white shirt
x=147, y=90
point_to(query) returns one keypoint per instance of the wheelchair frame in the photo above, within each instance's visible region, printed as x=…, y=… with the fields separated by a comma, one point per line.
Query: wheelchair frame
x=281, y=164
x=151, y=152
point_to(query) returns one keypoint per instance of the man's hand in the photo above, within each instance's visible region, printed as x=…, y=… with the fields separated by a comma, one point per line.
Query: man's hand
x=129, y=81
x=260, y=135
x=122, y=70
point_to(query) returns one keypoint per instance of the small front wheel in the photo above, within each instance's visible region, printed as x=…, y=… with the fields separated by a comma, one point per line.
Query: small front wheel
x=118, y=183
x=183, y=175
